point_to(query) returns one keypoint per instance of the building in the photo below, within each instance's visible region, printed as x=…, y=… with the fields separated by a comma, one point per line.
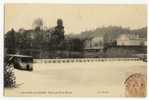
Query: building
x=130, y=40
x=94, y=44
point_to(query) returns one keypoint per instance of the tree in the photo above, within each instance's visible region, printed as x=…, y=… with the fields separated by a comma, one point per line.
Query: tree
x=10, y=41
x=57, y=35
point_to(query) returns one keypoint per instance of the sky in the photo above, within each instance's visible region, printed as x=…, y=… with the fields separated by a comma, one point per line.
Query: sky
x=76, y=18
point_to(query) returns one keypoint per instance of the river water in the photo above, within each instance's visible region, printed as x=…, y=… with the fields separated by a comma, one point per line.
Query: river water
x=76, y=79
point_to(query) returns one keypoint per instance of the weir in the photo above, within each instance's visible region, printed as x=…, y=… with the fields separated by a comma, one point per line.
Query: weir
x=81, y=60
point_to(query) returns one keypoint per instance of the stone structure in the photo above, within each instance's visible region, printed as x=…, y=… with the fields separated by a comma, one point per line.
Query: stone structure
x=130, y=40
x=95, y=43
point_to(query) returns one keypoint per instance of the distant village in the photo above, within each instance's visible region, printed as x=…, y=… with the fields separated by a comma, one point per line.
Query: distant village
x=44, y=43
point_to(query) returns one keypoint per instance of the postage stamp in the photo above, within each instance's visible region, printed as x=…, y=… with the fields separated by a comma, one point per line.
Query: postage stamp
x=135, y=85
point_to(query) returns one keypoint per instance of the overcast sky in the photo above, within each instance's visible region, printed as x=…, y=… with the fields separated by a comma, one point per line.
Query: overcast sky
x=76, y=18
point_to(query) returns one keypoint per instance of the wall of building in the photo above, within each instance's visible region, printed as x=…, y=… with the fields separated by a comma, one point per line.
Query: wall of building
x=130, y=40
x=129, y=43
x=94, y=43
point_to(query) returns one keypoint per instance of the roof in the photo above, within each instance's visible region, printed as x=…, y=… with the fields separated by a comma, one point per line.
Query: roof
x=17, y=55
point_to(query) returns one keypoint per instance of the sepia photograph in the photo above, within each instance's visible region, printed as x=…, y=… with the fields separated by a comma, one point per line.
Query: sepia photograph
x=75, y=50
